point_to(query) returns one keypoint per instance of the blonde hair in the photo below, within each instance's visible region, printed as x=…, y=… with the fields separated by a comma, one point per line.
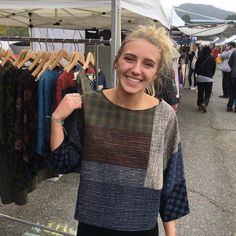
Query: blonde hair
x=157, y=37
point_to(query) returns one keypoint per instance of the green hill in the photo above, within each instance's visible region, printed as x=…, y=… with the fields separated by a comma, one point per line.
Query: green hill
x=206, y=10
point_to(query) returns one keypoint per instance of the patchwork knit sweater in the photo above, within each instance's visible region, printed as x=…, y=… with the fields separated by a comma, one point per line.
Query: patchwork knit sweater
x=131, y=164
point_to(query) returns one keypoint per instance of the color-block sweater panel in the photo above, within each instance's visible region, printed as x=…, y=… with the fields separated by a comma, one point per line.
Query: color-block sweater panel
x=129, y=160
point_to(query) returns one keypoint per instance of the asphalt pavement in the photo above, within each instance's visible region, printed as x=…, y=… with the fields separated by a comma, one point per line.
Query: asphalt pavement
x=209, y=146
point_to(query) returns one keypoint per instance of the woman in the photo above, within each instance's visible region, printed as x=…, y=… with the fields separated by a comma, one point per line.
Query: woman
x=132, y=165
x=192, y=56
x=205, y=69
x=226, y=70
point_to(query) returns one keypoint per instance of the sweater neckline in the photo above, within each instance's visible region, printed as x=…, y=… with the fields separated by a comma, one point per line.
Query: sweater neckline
x=128, y=109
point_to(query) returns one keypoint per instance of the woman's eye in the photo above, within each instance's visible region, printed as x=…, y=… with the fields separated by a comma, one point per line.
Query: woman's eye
x=148, y=64
x=128, y=58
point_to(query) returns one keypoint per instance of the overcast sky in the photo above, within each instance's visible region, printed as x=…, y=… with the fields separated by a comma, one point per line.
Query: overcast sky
x=229, y=5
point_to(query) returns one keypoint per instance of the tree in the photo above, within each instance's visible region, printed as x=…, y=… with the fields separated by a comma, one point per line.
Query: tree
x=186, y=18
x=14, y=31
x=231, y=17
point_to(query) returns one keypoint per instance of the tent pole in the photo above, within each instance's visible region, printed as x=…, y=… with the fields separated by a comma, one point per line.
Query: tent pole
x=115, y=35
x=30, y=34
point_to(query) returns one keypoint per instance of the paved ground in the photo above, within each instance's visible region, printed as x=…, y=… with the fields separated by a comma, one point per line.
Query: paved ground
x=210, y=160
x=209, y=144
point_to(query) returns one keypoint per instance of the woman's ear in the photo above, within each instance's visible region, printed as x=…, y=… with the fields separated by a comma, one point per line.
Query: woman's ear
x=115, y=66
x=157, y=74
x=115, y=63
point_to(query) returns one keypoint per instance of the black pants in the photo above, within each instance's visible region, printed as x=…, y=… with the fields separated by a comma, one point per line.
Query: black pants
x=204, y=92
x=225, y=83
x=89, y=230
x=190, y=74
x=232, y=92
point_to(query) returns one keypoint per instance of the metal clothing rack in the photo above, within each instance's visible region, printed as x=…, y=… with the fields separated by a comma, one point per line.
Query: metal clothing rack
x=95, y=42
x=55, y=40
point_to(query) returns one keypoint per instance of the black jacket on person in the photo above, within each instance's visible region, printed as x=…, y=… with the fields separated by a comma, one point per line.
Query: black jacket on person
x=232, y=64
x=205, y=66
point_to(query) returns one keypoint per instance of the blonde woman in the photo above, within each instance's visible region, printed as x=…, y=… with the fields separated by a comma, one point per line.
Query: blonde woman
x=126, y=144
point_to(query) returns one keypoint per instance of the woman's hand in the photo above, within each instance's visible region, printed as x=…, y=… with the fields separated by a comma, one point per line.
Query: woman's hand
x=68, y=104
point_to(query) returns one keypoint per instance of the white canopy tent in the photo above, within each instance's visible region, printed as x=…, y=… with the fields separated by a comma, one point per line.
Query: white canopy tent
x=230, y=39
x=85, y=14
x=204, y=31
x=224, y=42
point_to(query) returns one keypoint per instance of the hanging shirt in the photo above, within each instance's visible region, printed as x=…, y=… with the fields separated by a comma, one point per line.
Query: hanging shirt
x=65, y=84
x=46, y=94
x=12, y=186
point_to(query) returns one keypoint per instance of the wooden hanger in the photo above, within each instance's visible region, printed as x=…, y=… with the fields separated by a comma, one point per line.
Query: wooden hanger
x=48, y=58
x=29, y=56
x=2, y=53
x=42, y=66
x=20, y=57
x=76, y=57
x=89, y=59
x=62, y=54
x=10, y=56
x=39, y=56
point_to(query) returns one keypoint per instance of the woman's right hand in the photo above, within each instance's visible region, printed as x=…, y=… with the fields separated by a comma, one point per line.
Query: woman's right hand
x=68, y=104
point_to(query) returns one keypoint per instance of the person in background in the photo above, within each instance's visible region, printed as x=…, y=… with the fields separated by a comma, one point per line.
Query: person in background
x=225, y=68
x=128, y=143
x=167, y=88
x=232, y=81
x=192, y=56
x=234, y=105
x=216, y=51
x=205, y=69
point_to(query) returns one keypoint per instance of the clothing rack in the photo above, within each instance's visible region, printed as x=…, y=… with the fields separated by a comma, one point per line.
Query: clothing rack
x=90, y=41
x=55, y=40
x=35, y=225
x=95, y=42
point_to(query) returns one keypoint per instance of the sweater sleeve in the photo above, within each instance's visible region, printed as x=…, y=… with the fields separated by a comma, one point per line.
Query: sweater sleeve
x=174, y=200
x=67, y=157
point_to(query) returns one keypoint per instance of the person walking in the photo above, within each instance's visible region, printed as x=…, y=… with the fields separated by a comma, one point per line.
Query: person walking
x=225, y=68
x=232, y=81
x=205, y=69
x=192, y=56
x=126, y=144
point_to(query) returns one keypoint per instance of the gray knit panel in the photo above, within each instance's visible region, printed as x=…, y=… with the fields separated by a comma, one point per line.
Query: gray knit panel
x=164, y=143
x=112, y=174
x=172, y=139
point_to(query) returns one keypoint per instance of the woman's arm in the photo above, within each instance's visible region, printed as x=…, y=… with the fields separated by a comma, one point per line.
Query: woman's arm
x=174, y=200
x=57, y=133
x=170, y=228
x=68, y=104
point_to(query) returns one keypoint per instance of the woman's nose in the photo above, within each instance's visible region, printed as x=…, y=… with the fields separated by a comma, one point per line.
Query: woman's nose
x=136, y=68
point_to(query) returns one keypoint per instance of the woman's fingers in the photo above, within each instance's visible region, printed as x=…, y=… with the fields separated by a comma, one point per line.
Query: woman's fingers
x=68, y=104
x=76, y=98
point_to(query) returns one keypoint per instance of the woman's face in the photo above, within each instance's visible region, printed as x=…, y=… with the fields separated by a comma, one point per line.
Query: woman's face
x=138, y=65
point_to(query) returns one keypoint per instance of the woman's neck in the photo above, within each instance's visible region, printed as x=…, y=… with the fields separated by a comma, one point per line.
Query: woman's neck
x=138, y=101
